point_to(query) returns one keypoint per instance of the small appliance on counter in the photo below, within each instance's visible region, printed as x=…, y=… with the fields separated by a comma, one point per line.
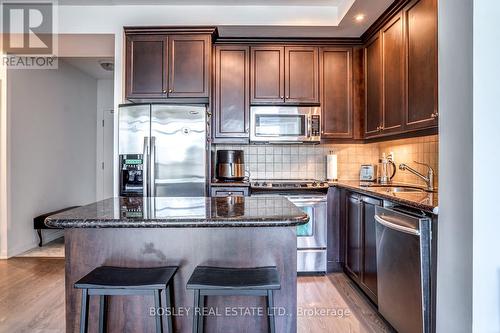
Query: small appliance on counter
x=368, y=173
x=386, y=164
x=230, y=165
x=131, y=175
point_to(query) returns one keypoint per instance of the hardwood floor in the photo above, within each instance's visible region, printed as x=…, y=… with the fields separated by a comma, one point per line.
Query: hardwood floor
x=32, y=300
x=32, y=295
x=349, y=310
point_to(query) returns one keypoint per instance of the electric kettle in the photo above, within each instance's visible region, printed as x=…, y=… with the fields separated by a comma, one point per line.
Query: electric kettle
x=386, y=164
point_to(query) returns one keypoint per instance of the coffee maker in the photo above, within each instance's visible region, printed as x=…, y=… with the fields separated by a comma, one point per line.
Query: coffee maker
x=131, y=175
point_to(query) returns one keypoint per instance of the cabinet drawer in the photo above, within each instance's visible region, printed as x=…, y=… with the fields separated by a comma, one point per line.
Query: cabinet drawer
x=229, y=191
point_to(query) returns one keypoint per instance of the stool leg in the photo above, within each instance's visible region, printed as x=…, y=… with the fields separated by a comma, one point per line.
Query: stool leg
x=196, y=309
x=201, y=305
x=159, y=326
x=84, y=312
x=168, y=304
x=103, y=311
x=270, y=309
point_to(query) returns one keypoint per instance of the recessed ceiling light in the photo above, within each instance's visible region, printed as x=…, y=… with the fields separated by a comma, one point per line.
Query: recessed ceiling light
x=359, y=17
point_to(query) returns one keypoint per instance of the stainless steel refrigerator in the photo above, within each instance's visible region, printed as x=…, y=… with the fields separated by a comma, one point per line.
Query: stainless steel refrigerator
x=170, y=142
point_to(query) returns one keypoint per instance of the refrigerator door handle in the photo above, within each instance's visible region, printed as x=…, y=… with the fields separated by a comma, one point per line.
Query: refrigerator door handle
x=152, y=169
x=145, y=167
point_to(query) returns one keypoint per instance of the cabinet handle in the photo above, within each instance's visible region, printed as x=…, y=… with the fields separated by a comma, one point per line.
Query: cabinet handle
x=170, y=90
x=434, y=115
x=281, y=97
x=164, y=91
x=287, y=97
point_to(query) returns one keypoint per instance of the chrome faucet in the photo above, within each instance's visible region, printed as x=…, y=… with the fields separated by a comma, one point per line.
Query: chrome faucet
x=429, y=179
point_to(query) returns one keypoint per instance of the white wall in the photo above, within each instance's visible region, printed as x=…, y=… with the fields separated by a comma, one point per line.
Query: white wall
x=486, y=315
x=454, y=266
x=52, y=140
x=104, y=148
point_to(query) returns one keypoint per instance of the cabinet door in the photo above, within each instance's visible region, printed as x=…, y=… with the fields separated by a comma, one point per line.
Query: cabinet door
x=232, y=101
x=189, y=64
x=145, y=62
x=353, y=236
x=336, y=93
x=421, y=36
x=301, y=75
x=393, y=75
x=267, y=77
x=369, y=265
x=373, y=87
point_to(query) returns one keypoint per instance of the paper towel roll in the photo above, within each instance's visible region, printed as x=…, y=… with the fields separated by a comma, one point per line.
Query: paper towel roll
x=331, y=167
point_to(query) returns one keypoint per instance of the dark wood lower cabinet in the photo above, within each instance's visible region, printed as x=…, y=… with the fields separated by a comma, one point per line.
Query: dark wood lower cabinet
x=360, y=242
x=353, y=236
x=369, y=251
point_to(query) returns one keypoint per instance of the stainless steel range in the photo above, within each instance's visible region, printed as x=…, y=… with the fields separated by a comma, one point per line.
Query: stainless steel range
x=310, y=196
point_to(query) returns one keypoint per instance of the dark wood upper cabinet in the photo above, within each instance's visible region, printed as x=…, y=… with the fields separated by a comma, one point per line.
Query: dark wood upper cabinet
x=281, y=75
x=145, y=73
x=336, y=93
x=401, y=72
x=267, y=74
x=167, y=65
x=189, y=64
x=393, y=75
x=373, y=87
x=421, y=40
x=232, y=100
x=301, y=74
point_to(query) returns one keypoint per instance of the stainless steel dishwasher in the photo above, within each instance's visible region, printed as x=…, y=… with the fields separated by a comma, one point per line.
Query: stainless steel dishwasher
x=403, y=268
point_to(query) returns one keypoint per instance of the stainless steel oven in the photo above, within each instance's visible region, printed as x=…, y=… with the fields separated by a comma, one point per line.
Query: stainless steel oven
x=311, y=237
x=285, y=124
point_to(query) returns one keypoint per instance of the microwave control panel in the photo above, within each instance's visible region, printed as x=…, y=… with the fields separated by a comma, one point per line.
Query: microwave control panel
x=315, y=125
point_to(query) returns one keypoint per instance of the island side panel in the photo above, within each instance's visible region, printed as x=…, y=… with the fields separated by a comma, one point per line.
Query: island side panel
x=87, y=249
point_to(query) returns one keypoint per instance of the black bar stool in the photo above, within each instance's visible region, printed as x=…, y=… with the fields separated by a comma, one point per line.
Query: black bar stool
x=218, y=281
x=119, y=281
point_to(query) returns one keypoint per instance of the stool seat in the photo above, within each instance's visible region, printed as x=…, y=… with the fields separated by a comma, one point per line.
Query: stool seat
x=206, y=277
x=108, y=277
x=106, y=281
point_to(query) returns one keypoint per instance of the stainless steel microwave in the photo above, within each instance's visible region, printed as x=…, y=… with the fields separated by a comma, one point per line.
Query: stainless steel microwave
x=285, y=124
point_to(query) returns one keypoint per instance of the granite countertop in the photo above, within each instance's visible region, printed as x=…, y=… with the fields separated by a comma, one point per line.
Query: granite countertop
x=179, y=212
x=426, y=201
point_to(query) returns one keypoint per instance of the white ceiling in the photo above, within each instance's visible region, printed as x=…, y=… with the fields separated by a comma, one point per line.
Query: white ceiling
x=250, y=18
x=205, y=2
x=90, y=66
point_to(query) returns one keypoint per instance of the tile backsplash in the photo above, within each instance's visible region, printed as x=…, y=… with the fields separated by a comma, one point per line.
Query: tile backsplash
x=309, y=161
x=423, y=149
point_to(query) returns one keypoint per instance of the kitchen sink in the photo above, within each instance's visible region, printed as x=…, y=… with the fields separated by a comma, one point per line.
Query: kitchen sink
x=405, y=189
x=399, y=188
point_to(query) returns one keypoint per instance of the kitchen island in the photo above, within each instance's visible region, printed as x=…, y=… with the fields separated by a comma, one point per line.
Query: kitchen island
x=186, y=232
